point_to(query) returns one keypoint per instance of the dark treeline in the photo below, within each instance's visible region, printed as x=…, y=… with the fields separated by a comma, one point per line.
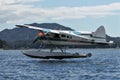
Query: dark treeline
x=3, y=44
x=23, y=44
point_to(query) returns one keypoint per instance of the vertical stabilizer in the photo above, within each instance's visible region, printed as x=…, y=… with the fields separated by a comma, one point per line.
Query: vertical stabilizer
x=100, y=32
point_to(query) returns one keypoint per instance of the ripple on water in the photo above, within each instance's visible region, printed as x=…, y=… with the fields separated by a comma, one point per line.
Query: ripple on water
x=103, y=65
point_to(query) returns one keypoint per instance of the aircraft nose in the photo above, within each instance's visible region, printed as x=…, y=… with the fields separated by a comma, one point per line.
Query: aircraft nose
x=40, y=34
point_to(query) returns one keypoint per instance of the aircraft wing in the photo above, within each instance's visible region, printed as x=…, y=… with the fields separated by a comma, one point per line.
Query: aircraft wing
x=39, y=29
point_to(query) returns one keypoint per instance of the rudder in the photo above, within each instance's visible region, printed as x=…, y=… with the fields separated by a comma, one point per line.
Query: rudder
x=100, y=32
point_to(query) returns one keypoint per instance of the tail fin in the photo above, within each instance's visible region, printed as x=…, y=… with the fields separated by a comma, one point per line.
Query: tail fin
x=100, y=34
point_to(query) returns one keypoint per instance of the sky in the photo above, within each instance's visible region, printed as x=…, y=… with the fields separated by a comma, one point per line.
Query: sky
x=81, y=15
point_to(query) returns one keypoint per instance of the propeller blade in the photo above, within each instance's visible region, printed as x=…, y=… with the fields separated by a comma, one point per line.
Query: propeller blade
x=35, y=40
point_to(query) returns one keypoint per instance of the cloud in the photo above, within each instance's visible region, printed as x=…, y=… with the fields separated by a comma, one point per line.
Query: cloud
x=15, y=11
x=8, y=2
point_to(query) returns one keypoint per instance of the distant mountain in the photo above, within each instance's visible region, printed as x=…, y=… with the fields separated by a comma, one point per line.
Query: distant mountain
x=23, y=37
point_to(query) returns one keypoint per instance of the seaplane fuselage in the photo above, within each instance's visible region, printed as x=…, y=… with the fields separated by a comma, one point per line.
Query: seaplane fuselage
x=69, y=38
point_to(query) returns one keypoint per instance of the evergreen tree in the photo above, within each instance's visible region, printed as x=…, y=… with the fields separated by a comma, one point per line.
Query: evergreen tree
x=3, y=44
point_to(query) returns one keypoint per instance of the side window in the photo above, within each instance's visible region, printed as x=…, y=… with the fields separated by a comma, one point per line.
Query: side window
x=69, y=37
x=91, y=35
x=66, y=36
x=56, y=36
x=63, y=35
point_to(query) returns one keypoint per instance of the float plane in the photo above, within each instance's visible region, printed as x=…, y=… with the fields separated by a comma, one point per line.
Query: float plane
x=63, y=38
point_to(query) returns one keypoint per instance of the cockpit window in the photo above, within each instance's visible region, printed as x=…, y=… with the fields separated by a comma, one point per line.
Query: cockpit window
x=56, y=36
x=75, y=32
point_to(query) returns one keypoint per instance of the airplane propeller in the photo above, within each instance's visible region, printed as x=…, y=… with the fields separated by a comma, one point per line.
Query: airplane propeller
x=36, y=39
x=39, y=36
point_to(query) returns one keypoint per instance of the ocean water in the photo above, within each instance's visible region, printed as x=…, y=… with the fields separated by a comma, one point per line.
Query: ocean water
x=103, y=65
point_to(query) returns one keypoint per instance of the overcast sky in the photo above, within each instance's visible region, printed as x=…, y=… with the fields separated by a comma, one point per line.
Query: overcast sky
x=83, y=15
